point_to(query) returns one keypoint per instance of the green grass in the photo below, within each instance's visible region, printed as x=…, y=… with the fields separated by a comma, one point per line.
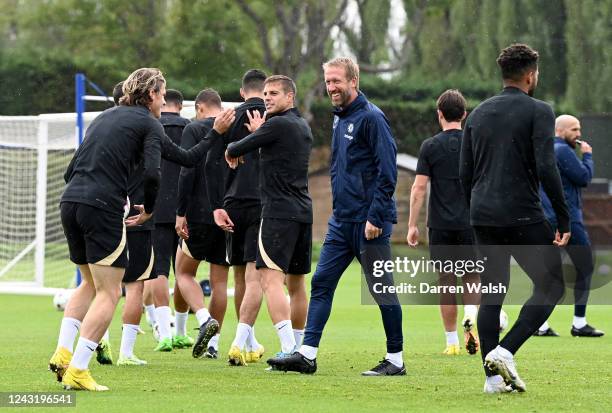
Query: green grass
x=562, y=374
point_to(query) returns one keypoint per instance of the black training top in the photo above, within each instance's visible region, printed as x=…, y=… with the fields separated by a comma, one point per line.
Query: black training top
x=439, y=160
x=507, y=150
x=172, y=153
x=192, y=194
x=165, y=211
x=234, y=188
x=115, y=142
x=285, y=140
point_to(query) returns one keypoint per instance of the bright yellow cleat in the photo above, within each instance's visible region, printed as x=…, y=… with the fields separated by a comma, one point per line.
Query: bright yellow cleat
x=235, y=357
x=76, y=379
x=254, y=356
x=452, y=350
x=59, y=362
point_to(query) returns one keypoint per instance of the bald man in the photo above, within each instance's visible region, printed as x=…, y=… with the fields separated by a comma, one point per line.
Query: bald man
x=575, y=174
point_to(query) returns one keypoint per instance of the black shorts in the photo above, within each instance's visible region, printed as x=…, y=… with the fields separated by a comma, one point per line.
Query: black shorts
x=451, y=244
x=165, y=242
x=285, y=246
x=242, y=243
x=206, y=243
x=94, y=236
x=140, y=257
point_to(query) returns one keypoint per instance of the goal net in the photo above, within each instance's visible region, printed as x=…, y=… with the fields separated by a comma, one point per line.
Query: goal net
x=34, y=154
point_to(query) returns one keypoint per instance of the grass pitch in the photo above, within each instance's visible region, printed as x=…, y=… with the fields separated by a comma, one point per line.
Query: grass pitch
x=562, y=374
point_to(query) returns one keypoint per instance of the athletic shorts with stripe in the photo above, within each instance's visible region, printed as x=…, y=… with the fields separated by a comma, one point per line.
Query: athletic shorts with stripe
x=206, y=242
x=140, y=257
x=165, y=242
x=94, y=236
x=285, y=246
x=242, y=243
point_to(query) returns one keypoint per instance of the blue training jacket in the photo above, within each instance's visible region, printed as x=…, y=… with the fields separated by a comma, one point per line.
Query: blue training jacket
x=363, y=164
x=575, y=174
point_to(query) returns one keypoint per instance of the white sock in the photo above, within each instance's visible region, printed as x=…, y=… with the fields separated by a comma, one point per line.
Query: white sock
x=497, y=379
x=82, y=355
x=452, y=338
x=202, y=315
x=395, y=358
x=105, y=336
x=68, y=332
x=579, y=322
x=150, y=309
x=299, y=336
x=128, y=339
x=162, y=316
x=214, y=342
x=285, y=335
x=544, y=326
x=505, y=353
x=242, y=333
x=252, y=343
x=181, y=323
x=309, y=352
x=470, y=310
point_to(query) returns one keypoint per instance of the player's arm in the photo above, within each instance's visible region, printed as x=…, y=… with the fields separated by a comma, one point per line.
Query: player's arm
x=186, y=182
x=265, y=134
x=197, y=153
x=418, y=194
x=151, y=175
x=466, y=162
x=213, y=174
x=577, y=171
x=546, y=166
x=381, y=142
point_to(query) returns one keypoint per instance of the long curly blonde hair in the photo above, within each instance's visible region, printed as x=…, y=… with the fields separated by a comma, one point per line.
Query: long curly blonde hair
x=137, y=86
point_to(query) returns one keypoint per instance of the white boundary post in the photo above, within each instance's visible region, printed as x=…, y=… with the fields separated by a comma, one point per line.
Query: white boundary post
x=41, y=201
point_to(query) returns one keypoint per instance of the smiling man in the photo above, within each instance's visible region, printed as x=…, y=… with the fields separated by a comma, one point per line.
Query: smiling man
x=363, y=178
x=284, y=248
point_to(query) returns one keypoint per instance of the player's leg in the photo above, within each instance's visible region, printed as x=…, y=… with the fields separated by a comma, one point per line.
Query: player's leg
x=448, y=311
x=368, y=252
x=107, y=281
x=299, y=266
x=75, y=311
x=298, y=301
x=239, y=286
x=273, y=285
x=149, y=303
x=242, y=251
x=251, y=303
x=203, y=243
x=581, y=254
x=218, y=303
x=164, y=245
x=181, y=314
x=132, y=312
x=471, y=301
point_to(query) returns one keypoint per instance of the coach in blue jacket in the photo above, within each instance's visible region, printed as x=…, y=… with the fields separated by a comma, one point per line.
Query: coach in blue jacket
x=575, y=174
x=363, y=178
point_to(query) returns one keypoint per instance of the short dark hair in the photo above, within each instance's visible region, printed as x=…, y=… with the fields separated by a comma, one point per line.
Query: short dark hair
x=452, y=105
x=209, y=97
x=516, y=60
x=118, y=92
x=287, y=83
x=253, y=80
x=173, y=96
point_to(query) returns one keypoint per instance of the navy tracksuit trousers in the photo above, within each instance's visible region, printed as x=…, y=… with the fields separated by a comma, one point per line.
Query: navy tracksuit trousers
x=343, y=242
